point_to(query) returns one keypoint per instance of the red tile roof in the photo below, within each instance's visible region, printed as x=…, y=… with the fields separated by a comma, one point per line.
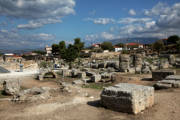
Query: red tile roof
x=133, y=44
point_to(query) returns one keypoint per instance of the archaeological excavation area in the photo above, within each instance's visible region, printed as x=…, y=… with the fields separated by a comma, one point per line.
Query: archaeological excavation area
x=134, y=86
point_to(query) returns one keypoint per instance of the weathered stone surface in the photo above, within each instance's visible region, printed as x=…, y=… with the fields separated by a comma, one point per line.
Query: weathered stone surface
x=88, y=73
x=67, y=72
x=146, y=70
x=101, y=65
x=128, y=98
x=153, y=67
x=11, y=87
x=33, y=94
x=138, y=63
x=96, y=78
x=82, y=75
x=78, y=82
x=174, y=83
x=172, y=59
x=95, y=66
x=173, y=77
x=75, y=72
x=164, y=64
x=43, y=73
x=162, y=74
x=124, y=62
x=159, y=85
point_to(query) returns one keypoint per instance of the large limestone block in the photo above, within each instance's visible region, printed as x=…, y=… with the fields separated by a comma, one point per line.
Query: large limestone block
x=128, y=98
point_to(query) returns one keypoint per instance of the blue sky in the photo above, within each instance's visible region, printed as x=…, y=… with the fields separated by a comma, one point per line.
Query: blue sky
x=35, y=23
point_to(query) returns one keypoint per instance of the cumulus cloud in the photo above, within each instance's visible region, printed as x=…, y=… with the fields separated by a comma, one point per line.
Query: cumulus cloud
x=40, y=11
x=102, y=21
x=162, y=21
x=132, y=12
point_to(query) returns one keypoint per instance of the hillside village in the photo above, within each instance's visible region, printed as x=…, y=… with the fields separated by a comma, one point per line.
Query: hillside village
x=103, y=81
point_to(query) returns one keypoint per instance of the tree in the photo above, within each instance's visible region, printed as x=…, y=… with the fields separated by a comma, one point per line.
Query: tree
x=78, y=44
x=39, y=52
x=158, y=46
x=62, y=49
x=120, y=45
x=71, y=53
x=178, y=46
x=173, y=39
x=107, y=46
x=55, y=49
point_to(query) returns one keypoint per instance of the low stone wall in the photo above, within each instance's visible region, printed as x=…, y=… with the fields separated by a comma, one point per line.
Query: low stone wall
x=128, y=98
x=162, y=74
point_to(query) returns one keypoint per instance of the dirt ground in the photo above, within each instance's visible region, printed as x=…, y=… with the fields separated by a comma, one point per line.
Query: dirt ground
x=83, y=104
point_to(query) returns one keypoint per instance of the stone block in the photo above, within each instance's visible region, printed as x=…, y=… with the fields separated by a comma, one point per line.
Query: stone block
x=78, y=82
x=162, y=74
x=96, y=78
x=90, y=73
x=173, y=77
x=82, y=75
x=128, y=98
x=67, y=73
x=11, y=87
x=160, y=85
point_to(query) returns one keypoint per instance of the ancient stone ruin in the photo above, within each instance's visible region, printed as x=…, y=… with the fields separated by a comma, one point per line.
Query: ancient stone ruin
x=128, y=98
x=162, y=74
x=172, y=81
x=11, y=87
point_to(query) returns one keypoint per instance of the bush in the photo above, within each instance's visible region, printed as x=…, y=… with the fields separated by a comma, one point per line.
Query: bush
x=107, y=46
x=45, y=64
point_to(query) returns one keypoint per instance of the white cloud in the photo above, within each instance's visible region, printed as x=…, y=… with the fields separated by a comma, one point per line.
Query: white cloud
x=132, y=12
x=37, y=10
x=130, y=20
x=102, y=21
x=107, y=36
x=38, y=23
x=159, y=9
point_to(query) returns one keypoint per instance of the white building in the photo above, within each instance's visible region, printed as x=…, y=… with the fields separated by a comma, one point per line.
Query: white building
x=117, y=49
x=48, y=51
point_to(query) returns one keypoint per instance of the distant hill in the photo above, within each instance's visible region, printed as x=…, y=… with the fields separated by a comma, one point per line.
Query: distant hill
x=18, y=51
x=139, y=40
